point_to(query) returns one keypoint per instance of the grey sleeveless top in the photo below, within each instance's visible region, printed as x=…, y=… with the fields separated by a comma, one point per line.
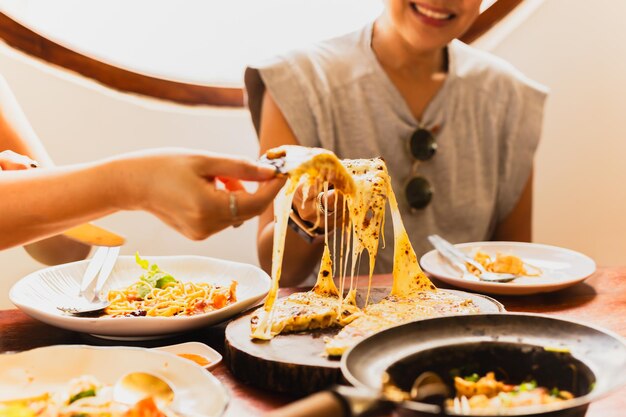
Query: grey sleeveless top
x=336, y=95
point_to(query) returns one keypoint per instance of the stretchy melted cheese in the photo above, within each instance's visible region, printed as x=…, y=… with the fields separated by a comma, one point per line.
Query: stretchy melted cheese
x=312, y=166
x=316, y=309
x=366, y=187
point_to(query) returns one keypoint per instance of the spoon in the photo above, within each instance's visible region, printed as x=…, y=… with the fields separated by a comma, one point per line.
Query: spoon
x=136, y=386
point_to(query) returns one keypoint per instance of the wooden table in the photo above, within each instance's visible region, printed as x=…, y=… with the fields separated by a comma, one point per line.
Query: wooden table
x=601, y=300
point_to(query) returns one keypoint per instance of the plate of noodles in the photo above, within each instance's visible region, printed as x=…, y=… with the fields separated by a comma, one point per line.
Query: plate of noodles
x=151, y=297
x=79, y=381
x=542, y=268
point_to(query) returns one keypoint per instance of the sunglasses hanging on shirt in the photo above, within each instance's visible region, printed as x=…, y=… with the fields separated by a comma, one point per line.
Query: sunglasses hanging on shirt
x=423, y=147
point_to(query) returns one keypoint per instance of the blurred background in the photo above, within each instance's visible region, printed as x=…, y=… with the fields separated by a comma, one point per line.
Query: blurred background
x=571, y=46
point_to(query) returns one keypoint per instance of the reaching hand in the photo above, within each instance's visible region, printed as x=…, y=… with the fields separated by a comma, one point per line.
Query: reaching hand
x=182, y=188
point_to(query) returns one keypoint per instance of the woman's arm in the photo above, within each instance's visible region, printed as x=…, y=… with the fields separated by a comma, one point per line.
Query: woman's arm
x=178, y=186
x=40, y=203
x=17, y=135
x=517, y=226
x=300, y=257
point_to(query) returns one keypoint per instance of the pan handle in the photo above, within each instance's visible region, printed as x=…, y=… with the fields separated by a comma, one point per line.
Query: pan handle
x=341, y=401
x=324, y=403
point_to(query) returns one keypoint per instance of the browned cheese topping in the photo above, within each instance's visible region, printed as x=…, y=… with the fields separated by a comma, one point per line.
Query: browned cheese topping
x=366, y=187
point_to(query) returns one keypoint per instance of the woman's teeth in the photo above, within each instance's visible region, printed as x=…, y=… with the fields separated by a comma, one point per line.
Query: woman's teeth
x=431, y=13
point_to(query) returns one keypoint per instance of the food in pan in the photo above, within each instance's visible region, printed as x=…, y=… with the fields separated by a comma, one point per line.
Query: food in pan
x=159, y=294
x=504, y=264
x=81, y=397
x=366, y=187
x=488, y=395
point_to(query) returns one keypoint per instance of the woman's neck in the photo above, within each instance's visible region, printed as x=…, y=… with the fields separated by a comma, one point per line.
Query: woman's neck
x=395, y=54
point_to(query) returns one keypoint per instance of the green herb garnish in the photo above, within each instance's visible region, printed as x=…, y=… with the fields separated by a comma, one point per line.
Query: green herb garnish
x=83, y=394
x=163, y=281
x=472, y=378
x=526, y=386
x=154, y=277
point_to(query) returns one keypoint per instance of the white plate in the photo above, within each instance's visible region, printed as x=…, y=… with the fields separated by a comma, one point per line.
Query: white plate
x=36, y=371
x=35, y=297
x=561, y=268
x=195, y=348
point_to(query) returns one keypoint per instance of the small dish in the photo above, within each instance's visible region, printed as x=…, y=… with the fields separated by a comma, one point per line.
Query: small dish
x=560, y=268
x=198, y=349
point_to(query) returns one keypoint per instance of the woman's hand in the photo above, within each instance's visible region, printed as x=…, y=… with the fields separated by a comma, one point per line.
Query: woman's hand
x=197, y=193
x=316, y=204
x=10, y=161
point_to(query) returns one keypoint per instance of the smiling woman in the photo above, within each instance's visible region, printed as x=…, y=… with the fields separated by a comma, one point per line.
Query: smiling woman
x=370, y=92
x=192, y=55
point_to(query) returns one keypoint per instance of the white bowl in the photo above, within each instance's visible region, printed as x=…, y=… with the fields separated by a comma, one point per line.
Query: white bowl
x=36, y=298
x=34, y=372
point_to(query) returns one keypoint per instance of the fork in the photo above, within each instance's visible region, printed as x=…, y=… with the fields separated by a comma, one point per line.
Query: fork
x=456, y=263
x=456, y=257
x=101, y=265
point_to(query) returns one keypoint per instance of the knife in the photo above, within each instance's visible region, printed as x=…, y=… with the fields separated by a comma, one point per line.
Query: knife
x=93, y=235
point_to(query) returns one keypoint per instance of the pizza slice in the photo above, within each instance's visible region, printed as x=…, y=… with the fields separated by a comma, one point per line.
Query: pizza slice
x=367, y=187
x=364, y=183
x=319, y=308
x=317, y=164
x=413, y=296
x=306, y=167
x=392, y=311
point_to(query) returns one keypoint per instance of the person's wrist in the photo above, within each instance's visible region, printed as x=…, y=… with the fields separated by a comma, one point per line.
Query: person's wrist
x=308, y=230
x=124, y=192
x=305, y=229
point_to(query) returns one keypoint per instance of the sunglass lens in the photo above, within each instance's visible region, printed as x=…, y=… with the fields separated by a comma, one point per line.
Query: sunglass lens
x=419, y=193
x=423, y=145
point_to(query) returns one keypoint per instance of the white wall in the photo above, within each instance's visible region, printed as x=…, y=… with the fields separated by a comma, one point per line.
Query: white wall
x=79, y=120
x=578, y=51
x=579, y=193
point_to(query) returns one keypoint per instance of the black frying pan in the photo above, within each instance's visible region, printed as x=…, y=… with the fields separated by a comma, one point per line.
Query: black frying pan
x=588, y=361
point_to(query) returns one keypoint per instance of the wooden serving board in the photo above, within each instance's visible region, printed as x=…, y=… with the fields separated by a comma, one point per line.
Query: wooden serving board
x=289, y=363
x=294, y=363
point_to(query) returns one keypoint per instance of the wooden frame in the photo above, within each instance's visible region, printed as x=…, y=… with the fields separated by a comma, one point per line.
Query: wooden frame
x=489, y=18
x=31, y=43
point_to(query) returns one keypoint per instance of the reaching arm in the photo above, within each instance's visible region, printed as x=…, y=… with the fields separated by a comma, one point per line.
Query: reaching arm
x=17, y=135
x=300, y=257
x=40, y=203
x=178, y=186
x=517, y=226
